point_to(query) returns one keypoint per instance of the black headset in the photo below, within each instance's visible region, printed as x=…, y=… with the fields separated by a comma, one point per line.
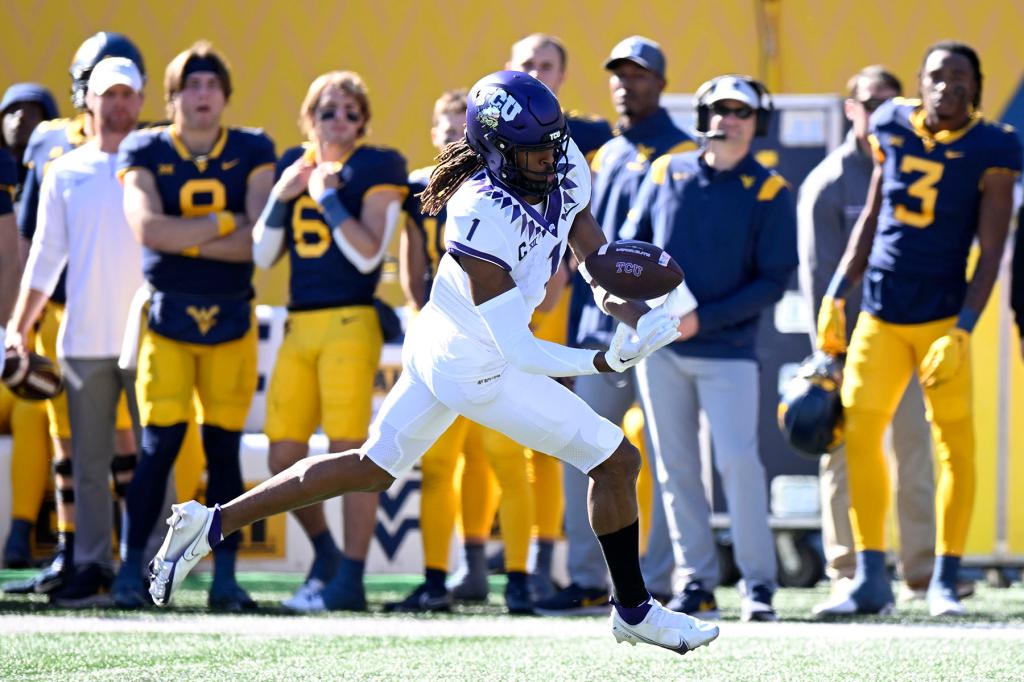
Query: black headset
x=765, y=106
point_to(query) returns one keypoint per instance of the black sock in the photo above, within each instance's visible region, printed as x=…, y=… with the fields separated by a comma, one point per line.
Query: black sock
x=435, y=578
x=517, y=578
x=622, y=554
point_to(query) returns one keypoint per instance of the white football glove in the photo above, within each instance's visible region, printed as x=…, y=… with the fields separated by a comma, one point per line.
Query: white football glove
x=655, y=330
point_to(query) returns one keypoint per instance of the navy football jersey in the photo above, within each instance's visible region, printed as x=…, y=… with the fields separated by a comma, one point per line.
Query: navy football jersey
x=431, y=227
x=192, y=186
x=49, y=140
x=8, y=182
x=931, y=192
x=321, y=276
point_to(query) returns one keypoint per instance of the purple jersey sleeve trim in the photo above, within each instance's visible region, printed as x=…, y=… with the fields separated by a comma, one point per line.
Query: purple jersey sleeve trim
x=457, y=249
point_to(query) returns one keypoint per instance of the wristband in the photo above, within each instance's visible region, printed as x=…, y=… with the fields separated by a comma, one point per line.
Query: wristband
x=225, y=223
x=275, y=213
x=191, y=252
x=333, y=209
x=967, y=319
x=839, y=287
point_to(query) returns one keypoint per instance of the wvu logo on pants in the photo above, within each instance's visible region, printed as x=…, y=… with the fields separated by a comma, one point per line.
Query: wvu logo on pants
x=394, y=521
x=205, y=317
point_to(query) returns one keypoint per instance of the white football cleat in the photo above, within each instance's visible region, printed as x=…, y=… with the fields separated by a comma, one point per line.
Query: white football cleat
x=845, y=605
x=186, y=543
x=307, y=598
x=661, y=627
x=942, y=602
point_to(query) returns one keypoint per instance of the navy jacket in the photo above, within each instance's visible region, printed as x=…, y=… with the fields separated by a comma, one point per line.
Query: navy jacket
x=733, y=233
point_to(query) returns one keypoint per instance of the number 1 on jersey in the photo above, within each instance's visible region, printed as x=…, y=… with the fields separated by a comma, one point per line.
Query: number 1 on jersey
x=472, y=229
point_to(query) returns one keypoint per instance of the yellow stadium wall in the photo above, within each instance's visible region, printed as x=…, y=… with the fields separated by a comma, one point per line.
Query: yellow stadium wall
x=408, y=52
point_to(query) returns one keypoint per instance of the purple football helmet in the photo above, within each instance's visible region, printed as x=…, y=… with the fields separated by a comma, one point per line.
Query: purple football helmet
x=510, y=112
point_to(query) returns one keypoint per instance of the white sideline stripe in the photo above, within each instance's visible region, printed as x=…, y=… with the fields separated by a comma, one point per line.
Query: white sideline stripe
x=547, y=628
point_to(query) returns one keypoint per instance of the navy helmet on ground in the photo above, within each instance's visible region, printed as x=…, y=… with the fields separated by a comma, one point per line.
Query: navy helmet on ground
x=810, y=408
x=508, y=113
x=95, y=48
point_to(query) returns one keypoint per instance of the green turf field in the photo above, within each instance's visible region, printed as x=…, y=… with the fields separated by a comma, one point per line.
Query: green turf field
x=481, y=643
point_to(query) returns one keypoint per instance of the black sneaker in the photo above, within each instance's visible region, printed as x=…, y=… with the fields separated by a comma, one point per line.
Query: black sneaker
x=89, y=586
x=695, y=601
x=50, y=579
x=756, y=606
x=574, y=601
x=230, y=597
x=542, y=586
x=423, y=599
x=517, y=595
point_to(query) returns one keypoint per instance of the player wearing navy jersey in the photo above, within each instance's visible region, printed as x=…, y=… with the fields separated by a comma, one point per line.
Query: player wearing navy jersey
x=50, y=140
x=333, y=210
x=518, y=193
x=943, y=177
x=192, y=191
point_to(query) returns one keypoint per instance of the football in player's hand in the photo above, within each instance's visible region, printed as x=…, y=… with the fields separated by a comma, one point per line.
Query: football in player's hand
x=633, y=269
x=31, y=376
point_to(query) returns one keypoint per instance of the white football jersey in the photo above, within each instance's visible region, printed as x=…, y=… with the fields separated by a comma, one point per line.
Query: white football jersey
x=488, y=222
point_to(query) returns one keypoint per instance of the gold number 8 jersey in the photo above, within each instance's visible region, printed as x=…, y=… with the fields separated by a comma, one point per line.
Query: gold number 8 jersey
x=192, y=186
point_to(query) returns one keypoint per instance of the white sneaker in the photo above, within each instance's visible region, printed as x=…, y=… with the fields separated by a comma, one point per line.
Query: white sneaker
x=670, y=630
x=307, y=598
x=844, y=604
x=942, y=603
x=186, y=543
x=908, y=594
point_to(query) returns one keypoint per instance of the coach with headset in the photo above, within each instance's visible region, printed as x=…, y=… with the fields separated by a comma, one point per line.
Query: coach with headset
x=731, y=224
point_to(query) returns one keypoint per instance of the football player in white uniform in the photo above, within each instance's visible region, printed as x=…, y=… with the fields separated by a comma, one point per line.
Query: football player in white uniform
x=518, y=193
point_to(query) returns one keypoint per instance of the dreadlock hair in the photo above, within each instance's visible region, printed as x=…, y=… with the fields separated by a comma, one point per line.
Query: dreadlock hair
x=455, y=164
x=965, y=51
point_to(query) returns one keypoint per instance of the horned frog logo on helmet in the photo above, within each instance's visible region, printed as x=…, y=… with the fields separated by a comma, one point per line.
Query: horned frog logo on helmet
x=495, y=105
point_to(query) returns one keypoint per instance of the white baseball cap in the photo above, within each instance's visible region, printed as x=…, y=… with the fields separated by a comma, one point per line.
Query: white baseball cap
x=731, y=87
x=115, y=71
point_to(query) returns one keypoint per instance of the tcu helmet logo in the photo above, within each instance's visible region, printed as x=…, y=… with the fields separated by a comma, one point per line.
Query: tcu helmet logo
x=494, y=103
x=623, y=267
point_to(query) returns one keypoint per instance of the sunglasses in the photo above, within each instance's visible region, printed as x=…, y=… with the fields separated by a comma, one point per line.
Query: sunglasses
x=330, y=113
x=871, y=103
x=741, y=112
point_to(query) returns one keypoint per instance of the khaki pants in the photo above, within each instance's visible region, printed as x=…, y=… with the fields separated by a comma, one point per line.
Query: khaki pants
x=910, y=455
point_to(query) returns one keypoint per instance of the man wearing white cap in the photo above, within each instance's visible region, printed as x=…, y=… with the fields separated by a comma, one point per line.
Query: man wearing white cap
x=731, y=225
x=82, y=225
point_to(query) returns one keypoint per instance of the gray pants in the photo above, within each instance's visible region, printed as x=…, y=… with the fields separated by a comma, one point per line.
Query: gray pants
x=915, y=497
x=674, y=390
x=94, y=387
x=610, y=396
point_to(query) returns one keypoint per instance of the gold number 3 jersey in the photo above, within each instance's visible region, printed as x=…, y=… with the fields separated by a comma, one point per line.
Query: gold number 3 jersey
x=931, y=192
